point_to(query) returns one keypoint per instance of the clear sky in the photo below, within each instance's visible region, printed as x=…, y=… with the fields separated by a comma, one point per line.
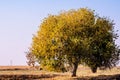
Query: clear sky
x=19, y=19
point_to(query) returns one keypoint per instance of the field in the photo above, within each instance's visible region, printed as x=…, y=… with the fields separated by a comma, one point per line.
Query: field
x=83, y=73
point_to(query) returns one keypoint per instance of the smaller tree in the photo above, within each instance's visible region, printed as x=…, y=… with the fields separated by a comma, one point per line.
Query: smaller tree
x=30, y=58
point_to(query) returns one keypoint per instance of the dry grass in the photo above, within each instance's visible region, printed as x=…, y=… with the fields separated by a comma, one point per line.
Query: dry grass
x=85, y=71
x=82, y=72
x=13, y=67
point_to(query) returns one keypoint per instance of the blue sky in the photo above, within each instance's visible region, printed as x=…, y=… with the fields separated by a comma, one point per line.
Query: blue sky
x=19, y=20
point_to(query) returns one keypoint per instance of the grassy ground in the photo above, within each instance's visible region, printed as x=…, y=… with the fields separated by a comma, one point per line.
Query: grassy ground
x=82, y=73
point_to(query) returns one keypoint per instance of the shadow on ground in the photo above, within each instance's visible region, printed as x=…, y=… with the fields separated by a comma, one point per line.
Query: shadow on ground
x=51, y=77
x=100, y=77
x=27, y=77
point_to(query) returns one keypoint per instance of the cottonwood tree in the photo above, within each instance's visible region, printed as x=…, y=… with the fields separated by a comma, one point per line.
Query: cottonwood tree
x=102, y=52
x=74, y=37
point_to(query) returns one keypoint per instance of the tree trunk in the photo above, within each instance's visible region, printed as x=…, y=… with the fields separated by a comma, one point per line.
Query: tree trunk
x=75, y=66
x=94, y=69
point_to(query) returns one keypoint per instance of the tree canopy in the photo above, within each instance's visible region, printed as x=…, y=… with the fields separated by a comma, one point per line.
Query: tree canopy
x=74, y=37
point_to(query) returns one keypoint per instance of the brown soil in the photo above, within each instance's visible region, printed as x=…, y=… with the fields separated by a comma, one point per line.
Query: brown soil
x=83, y=73
x=3, y=68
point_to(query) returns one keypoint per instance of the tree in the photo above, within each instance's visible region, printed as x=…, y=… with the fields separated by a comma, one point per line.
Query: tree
x=103, y=52
x=30, y=58
x=72, y=38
